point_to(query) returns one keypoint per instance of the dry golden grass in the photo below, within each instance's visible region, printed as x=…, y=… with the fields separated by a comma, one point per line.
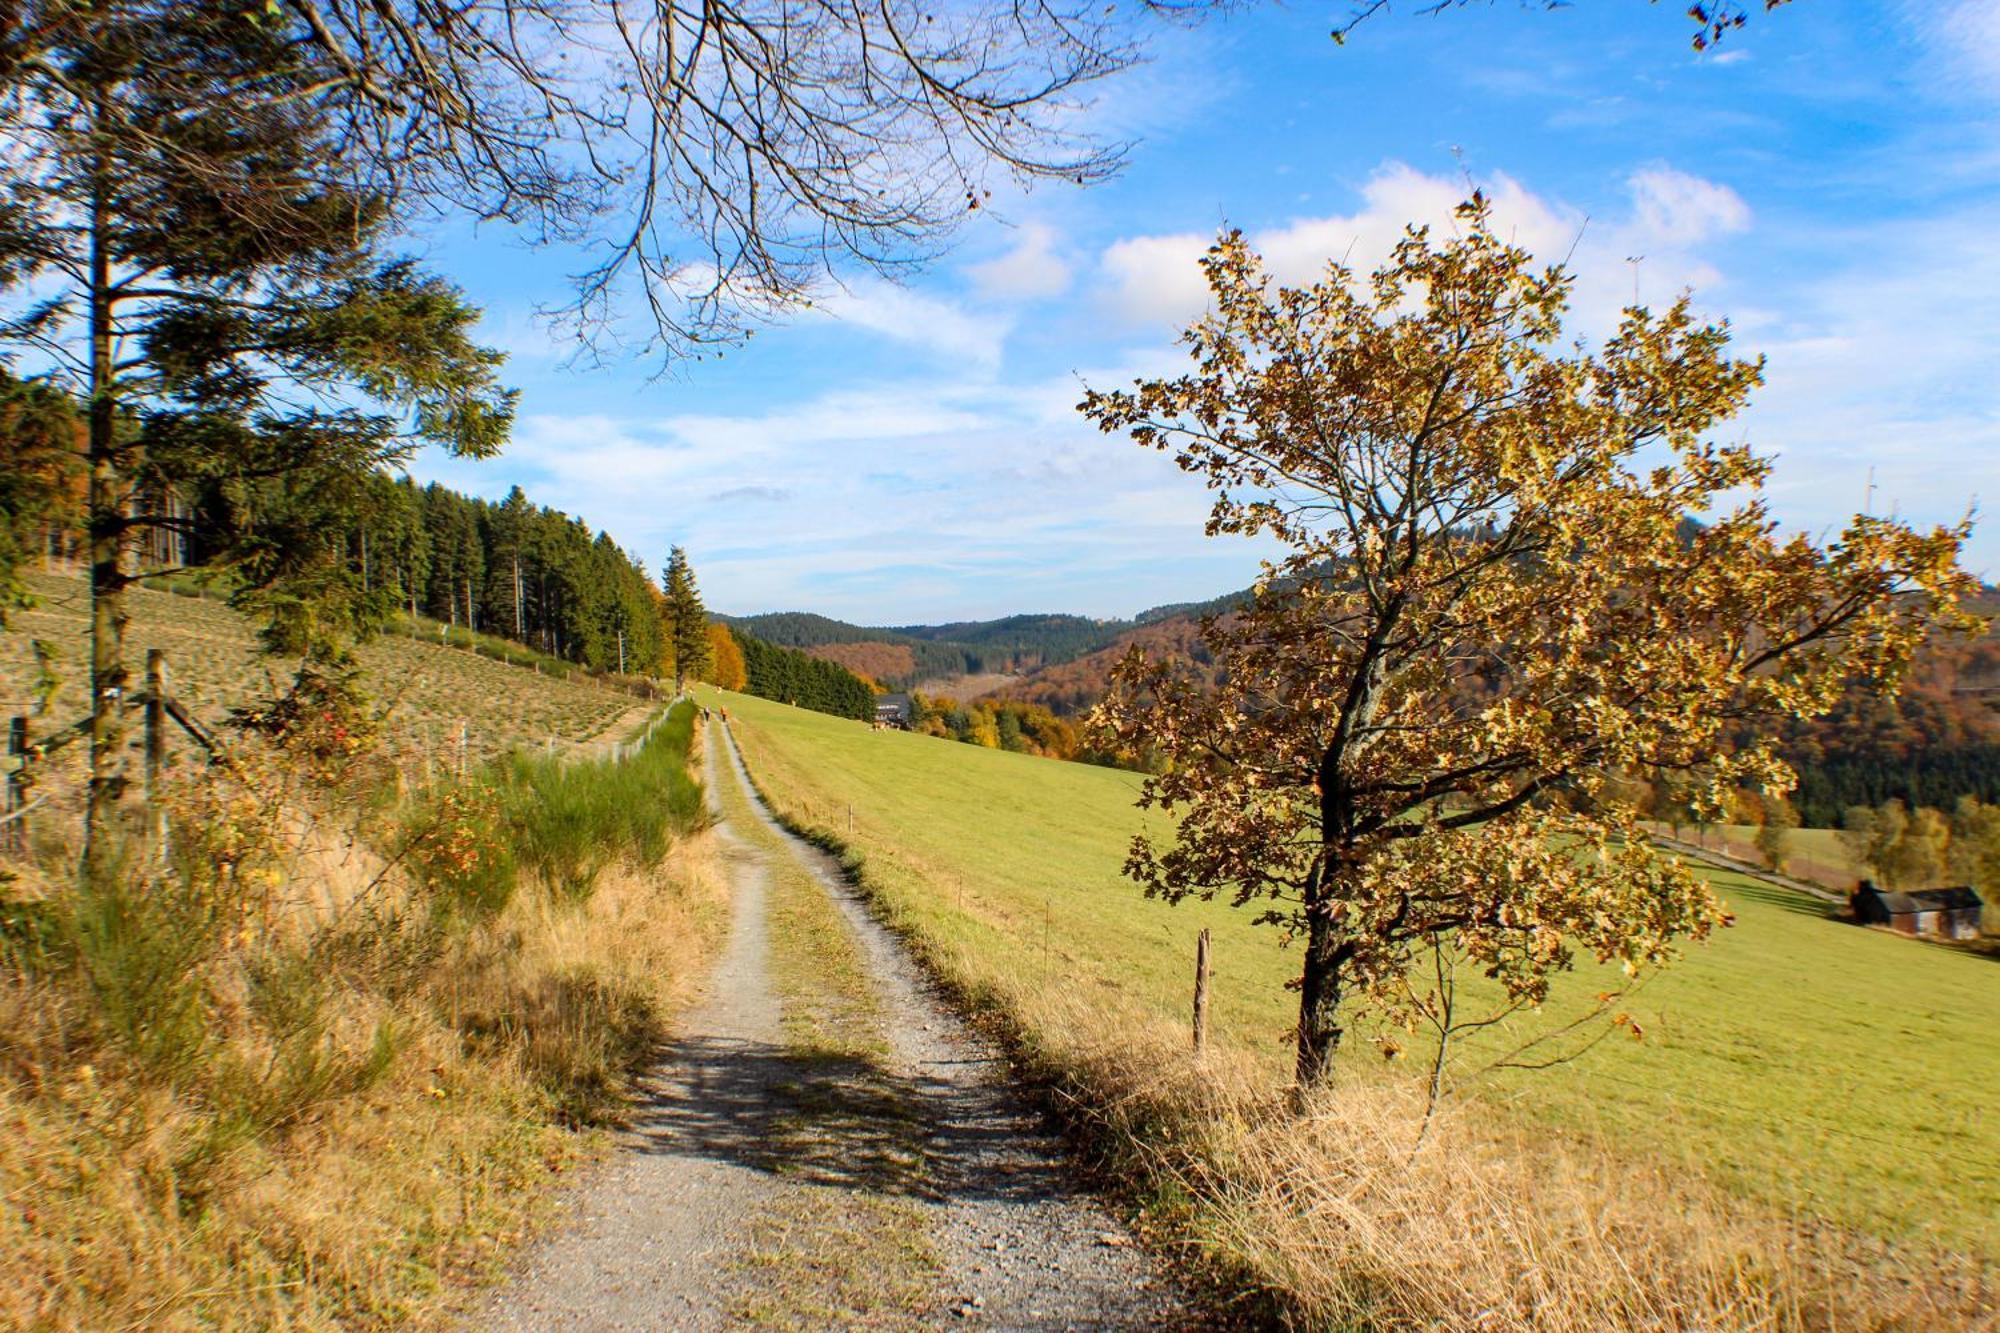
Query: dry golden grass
x=1351, y=1214
x=427, y=693
x=368, y=1112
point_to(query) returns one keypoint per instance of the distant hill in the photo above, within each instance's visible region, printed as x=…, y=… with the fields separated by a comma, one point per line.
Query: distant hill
x=899, y=655
x=1939, y=741
x=1069, y=688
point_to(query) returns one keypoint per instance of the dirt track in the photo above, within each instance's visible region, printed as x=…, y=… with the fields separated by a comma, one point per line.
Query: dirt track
x=674, y=1231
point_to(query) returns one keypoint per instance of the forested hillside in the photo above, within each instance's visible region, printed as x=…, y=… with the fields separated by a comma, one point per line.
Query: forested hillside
x=804, y=630
x=1069, y=689
x=357, y=548
x=900, y=655
x=525, y=572
x=1938, y=741
x=1020, y=643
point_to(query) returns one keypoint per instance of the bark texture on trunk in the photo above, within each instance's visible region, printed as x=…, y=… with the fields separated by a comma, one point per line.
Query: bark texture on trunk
x=1319, y=999
x=108, y=677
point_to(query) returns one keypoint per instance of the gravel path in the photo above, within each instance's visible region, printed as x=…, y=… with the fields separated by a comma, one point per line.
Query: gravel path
x=654, y=1233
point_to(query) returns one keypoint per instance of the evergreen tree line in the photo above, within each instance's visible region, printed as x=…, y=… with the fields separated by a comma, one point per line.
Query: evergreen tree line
x=791, y=677
x=514, y=569
x=1831, y=785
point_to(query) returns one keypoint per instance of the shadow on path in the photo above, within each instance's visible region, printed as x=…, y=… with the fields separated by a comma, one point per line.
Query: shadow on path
x=837, y=1121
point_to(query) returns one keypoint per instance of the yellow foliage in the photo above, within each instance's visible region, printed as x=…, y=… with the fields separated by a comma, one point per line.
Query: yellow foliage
x=1496, y=599
x=725, y=659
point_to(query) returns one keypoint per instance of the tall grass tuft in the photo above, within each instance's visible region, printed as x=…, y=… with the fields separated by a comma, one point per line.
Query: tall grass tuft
x=569, y=820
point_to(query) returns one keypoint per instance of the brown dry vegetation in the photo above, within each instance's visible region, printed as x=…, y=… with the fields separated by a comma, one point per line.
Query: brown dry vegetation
x=1070, y=688
x=877, y=661
x=1351, y=1215
x=305, y=1076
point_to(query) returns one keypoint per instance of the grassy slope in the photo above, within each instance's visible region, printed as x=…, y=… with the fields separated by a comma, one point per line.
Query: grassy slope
x=214, y=663
x=1837, y=1072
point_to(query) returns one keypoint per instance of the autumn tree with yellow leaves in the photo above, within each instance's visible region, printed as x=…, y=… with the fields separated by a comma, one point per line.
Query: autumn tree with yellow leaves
x=725, y=668
x=1520, y=574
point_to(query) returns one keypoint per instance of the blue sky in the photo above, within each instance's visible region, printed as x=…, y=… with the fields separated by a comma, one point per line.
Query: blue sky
x=1830, y=182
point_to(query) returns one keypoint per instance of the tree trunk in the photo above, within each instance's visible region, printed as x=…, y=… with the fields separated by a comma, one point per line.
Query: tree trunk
x=1319, y=996
x=1327, y=946
x=108, y=760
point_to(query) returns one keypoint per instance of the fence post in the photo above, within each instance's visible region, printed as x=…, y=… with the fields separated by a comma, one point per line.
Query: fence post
x=1201, y=991
x=156, y=742
x=156, y=719
x=14, y=833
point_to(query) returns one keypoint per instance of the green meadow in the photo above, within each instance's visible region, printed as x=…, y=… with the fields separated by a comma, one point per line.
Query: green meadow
x=1826, y=1071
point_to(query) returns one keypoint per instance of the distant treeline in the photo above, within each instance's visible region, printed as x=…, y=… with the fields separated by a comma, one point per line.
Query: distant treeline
x=1020, y=643
x=360, y=546
x=1830, y=787
x=1939, y=740
x=1013, y=644
x=791, y=677
x=802, y=629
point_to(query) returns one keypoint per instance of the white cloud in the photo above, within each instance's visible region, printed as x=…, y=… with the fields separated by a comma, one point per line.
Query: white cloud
x=1967, y=33
x=934, y=497
x=1399, y=196
x=907, y=316
x=1885, y=366
x=1679, y=209
x=1155, y=280
x=1032, y=270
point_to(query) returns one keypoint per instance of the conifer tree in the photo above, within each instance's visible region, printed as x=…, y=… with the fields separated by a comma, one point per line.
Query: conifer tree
x=177, y=183
x=40, y=483
x=686, y=619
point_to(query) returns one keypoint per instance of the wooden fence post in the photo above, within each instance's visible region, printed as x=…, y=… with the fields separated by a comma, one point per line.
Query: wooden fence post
x=156, y=742
x=14, y=833
x=156, y=719
x=1201, y=991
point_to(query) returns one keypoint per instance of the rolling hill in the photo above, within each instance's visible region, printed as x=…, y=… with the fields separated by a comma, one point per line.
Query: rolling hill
x=427, y=692
x=1025, y=646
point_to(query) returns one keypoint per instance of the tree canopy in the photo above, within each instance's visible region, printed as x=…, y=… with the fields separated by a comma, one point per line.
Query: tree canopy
x=712, y=162
x=1491, y=608
x=790, y=677
x=686, y=620
x=1713, y=19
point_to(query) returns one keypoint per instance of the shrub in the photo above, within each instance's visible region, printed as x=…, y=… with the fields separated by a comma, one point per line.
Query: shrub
x=455, y=848
x=570, y=820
